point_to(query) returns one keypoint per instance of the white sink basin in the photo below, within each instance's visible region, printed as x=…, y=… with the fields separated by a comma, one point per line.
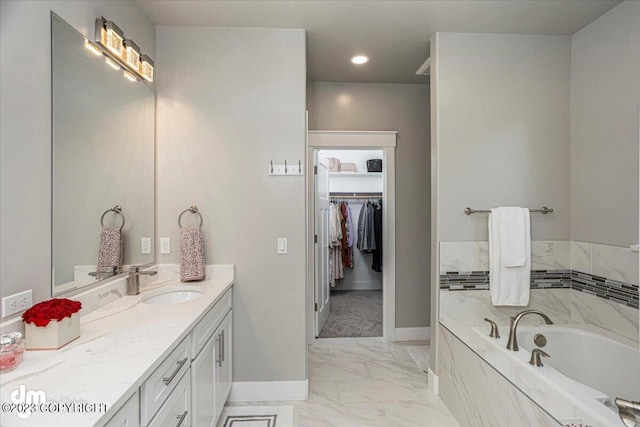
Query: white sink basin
x=172, y=296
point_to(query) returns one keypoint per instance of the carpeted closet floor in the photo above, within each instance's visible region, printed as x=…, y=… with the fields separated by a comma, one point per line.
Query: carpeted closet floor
x=354, y=314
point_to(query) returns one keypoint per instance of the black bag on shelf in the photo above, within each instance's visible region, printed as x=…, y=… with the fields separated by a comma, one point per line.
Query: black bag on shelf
x=374, y=165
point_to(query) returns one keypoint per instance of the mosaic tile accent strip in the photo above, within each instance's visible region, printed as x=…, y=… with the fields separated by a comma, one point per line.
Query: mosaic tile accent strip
x=613, y=290
x=477, y=280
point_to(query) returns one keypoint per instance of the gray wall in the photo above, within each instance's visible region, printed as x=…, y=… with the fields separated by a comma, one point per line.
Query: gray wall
x=503, y=126
x=405, y=108
x=25, y=128
x=605, y=91
x=230, y=100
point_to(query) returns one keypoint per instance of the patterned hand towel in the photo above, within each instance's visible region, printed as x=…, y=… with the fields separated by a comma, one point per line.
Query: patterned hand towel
x=110, y=250
x=192, y=263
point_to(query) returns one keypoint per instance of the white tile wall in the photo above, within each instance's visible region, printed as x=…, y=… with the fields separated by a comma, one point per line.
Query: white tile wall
x=474, y=255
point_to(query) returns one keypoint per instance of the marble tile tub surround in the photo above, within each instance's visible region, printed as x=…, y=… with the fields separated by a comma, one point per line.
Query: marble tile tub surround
x=474, y=255
x=484, y=384
x=612, y=262
x=121, y=342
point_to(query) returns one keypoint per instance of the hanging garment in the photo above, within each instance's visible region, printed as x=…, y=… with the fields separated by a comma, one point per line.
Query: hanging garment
x=351, y=237
x=370, y=238
x=360, y=231
x=346, y=259
x=336, y=268
x=377, y=231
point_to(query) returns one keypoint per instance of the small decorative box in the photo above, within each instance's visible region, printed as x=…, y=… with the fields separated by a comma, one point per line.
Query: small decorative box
x=52, y=324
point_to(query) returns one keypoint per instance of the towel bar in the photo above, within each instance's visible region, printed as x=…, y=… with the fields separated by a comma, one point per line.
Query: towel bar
x=545, y=210
x=116, y=209
x=194, y=210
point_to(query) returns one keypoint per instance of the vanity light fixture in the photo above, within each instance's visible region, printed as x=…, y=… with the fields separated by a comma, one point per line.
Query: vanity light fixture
x=92, y=47
x=111, y=36
x=132, y=54
x=359, y=59
x=122, y=52
x=146, y=67
x=113, y=64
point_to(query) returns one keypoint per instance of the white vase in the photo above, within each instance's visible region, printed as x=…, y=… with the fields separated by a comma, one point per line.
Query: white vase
x=53, y=336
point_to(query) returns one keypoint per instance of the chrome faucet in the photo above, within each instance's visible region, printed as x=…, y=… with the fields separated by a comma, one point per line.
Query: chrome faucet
x=513, y=325
x=133, y=281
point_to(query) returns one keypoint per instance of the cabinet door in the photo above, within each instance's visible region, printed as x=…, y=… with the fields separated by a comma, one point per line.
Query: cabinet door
x=203, y=385
x=224, y=368
x=128, y=415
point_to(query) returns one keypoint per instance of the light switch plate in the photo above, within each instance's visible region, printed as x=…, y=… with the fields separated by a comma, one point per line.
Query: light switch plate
x=17, y=302
x=145, y=245
x=282, y=245
x=165, y=245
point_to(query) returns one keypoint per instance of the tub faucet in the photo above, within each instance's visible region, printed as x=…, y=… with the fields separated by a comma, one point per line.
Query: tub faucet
x=513, y=325
x=629, y=412
x=133, y=281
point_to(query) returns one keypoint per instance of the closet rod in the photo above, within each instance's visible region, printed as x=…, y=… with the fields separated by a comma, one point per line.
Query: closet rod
x=355, y=195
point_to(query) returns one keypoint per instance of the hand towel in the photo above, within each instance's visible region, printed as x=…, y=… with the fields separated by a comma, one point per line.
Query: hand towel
x=110, y=250
x=512, y=235
x=508, y=285
x=192, y=262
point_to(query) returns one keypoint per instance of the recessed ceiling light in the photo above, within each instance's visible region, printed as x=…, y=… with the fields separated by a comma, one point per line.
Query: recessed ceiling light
x=360, y=59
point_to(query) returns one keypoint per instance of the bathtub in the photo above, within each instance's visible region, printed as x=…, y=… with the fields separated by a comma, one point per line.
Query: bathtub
x=597, y=361
x=589, y=365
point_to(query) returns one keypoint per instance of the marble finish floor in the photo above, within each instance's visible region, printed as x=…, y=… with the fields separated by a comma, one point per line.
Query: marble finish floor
x=364, y=382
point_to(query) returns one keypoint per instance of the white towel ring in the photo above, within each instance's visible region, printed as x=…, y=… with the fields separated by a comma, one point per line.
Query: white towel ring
x=116, y=209
x=194, y=210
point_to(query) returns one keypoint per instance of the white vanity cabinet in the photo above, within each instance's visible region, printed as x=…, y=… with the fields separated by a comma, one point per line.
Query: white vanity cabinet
x=224, y=367
x=191, y=385
x=176, y=411
x=128, y=415
x=211, y=369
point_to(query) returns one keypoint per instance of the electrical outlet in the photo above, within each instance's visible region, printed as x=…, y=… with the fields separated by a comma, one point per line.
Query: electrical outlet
x=145, y=245
x=165, y=245
x=16, y=303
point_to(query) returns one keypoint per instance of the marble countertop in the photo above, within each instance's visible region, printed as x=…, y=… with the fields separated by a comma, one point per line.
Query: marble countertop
x=564, y=406
x=121, y=343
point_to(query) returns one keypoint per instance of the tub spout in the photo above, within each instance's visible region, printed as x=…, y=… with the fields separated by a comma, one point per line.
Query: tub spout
x=513, y=325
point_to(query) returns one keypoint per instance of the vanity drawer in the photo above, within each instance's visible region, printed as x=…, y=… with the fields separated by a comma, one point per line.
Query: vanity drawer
x=176, y=411
x=163, y=380
x=204, y=329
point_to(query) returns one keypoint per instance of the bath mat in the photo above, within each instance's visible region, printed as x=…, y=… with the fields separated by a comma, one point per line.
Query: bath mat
x=256, y=416
x=420, y=354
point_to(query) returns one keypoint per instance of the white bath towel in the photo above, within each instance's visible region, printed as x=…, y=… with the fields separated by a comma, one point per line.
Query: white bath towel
x=512, y=235
x=509, y=285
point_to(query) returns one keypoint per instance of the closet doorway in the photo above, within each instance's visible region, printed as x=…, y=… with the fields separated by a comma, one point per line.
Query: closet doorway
x=352, y=234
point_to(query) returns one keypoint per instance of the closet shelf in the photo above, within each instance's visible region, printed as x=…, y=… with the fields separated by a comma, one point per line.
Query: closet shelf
x=357, y=174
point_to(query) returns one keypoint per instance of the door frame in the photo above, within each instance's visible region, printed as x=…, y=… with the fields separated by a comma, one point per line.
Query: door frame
x=373, y=140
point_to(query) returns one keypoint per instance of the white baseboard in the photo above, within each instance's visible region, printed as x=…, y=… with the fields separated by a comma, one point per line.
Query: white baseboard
x=433, y=382
x=269, y=391
x=413, y=334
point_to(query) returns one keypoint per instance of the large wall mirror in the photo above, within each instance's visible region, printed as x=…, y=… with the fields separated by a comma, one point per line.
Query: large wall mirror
x=103, y=165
